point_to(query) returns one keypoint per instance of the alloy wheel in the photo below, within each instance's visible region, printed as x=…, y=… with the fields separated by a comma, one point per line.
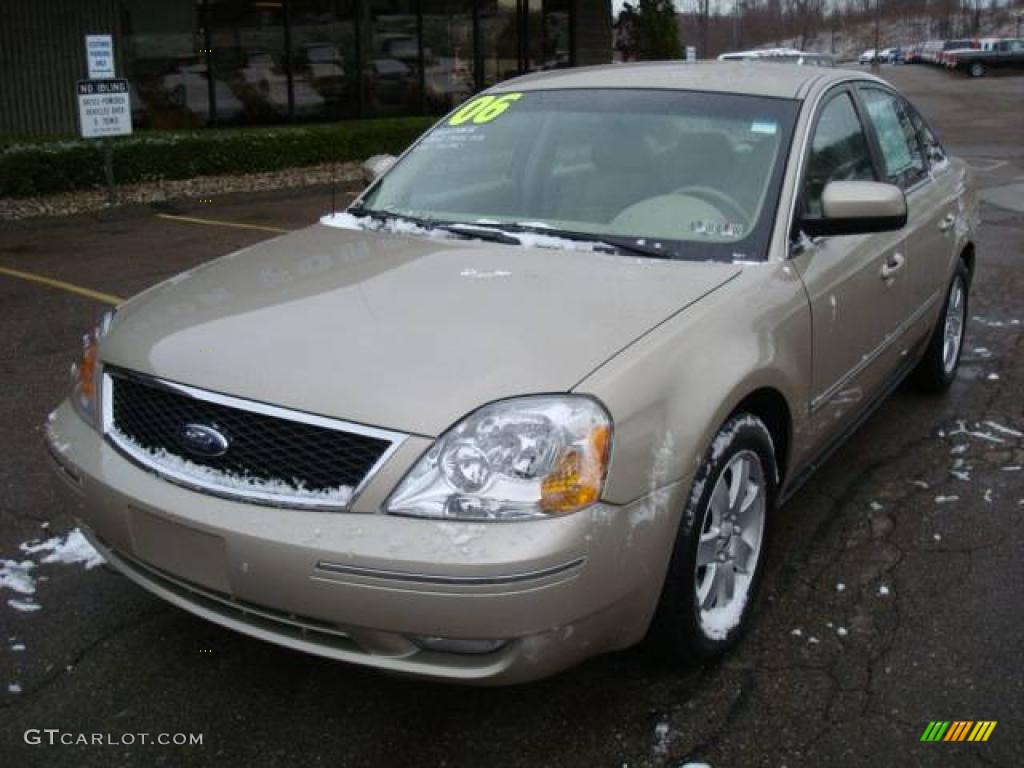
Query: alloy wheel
x=731, y=538
x=953, y=329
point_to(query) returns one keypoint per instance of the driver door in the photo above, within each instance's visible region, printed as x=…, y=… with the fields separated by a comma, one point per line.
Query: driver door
x=857, y=285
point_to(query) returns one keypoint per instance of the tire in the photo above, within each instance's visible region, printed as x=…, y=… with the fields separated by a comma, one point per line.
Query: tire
x=938, y=367
x=977, y=69
x=696, y=621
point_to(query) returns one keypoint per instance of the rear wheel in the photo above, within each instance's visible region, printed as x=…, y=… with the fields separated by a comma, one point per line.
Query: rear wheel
x=939, y=365
x=977, y=69
x=718, y=558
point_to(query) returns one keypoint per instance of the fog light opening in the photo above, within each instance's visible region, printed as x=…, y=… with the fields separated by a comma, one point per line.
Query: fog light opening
x=457, y=645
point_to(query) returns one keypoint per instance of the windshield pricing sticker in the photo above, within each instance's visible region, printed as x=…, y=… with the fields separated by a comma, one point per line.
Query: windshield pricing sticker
x=484, y=110
x=765, y=127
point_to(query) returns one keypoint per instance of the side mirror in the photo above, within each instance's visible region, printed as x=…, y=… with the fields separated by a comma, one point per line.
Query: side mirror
x=376, y=166
x=858, y=208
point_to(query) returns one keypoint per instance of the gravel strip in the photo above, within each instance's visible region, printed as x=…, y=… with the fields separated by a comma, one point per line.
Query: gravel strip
x=86, y=200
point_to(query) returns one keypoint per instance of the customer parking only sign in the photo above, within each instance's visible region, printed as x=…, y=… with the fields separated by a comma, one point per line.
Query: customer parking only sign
x=104, y=108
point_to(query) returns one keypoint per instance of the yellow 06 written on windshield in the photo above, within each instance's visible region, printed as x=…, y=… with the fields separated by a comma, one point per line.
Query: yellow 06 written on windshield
x=484, y=109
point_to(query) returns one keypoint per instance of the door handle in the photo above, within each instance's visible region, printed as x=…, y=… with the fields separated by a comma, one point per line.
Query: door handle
x=892, y=265
x=947, y=222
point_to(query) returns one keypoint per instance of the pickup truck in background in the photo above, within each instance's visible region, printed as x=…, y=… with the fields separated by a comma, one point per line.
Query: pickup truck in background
x=1001, y=53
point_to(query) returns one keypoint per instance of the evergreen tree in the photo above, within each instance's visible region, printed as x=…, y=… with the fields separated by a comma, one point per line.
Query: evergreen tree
x=647, y=31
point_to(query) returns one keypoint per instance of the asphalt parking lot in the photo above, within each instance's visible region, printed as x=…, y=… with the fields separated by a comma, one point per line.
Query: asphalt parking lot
x=892, y=598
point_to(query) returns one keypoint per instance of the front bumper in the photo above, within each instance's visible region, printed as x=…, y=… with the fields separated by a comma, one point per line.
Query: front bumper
x=359, y=587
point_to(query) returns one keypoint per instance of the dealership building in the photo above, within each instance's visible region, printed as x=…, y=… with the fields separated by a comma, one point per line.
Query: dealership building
x=198, y=63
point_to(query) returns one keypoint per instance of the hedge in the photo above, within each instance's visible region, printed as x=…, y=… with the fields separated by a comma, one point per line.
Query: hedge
x=45, y=167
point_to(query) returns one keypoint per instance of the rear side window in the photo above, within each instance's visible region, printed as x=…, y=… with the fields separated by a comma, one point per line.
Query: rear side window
x=904, y=161
x=839, y=152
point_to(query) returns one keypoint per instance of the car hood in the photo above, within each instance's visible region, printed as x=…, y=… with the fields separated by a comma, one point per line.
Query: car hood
x=407, y=333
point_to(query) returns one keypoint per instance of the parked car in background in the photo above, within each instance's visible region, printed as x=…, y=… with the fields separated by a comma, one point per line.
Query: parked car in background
x=539, y=392
x=804, y=59
x=782, y=56
x=934, y=50
x=188, y=88
x=1000, y=54
x=868, y=57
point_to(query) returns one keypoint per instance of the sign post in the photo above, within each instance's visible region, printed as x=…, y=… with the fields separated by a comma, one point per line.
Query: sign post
x=104, y=103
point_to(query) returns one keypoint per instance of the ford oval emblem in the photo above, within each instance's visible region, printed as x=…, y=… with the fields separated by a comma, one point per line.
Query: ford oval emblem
x=202, y=440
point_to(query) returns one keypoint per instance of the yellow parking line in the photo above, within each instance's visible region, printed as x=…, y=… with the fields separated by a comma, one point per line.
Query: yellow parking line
x=69, y=287
x=217, y=223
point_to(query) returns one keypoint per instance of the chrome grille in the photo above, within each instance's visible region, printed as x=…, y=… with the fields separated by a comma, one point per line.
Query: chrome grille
x=273, y=455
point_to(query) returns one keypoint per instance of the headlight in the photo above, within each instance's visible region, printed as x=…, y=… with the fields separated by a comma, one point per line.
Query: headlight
x=85, y=374
x=530, y=457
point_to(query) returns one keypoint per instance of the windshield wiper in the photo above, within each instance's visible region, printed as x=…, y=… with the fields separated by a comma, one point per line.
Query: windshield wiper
x=480, y=232
x=468, y=231
x=506, y=233
x=636, y=246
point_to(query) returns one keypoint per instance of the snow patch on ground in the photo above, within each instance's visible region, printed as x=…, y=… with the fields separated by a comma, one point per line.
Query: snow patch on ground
x=25, y=606
x=1004, y=429
x=962, y=429
x=18, y=576
x=995, y=323
x=74, y=548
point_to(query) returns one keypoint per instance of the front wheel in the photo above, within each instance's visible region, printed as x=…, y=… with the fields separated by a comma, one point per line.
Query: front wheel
x=977, y=69
x=718, y=558
x=941, y=360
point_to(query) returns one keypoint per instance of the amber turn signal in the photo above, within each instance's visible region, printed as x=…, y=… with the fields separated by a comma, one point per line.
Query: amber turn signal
x=578, y=474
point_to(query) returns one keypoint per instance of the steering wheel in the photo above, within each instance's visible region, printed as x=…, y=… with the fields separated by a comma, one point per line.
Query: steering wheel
x=719, y=200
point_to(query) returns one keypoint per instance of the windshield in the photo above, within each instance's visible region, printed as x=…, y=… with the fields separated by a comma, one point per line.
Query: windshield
x=693, y=174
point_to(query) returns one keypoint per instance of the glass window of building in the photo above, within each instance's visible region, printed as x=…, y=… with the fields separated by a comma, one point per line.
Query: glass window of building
x=163, y=49
x=249, y=65
x=449, y=72
x=193, y=63
x=497, y=43
x=390, y=45
x=557, y=45
x=325, y=58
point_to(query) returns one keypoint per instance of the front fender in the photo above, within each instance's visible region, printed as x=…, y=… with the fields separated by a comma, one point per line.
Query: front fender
x=670, y=392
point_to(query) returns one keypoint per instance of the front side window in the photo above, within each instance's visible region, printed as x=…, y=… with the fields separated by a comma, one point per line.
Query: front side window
x=904, y=162
x=698, y=173
x=839, y=152
x=933, y=149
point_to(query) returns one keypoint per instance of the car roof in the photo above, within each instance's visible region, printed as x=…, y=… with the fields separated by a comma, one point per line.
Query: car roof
x=749, y=77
